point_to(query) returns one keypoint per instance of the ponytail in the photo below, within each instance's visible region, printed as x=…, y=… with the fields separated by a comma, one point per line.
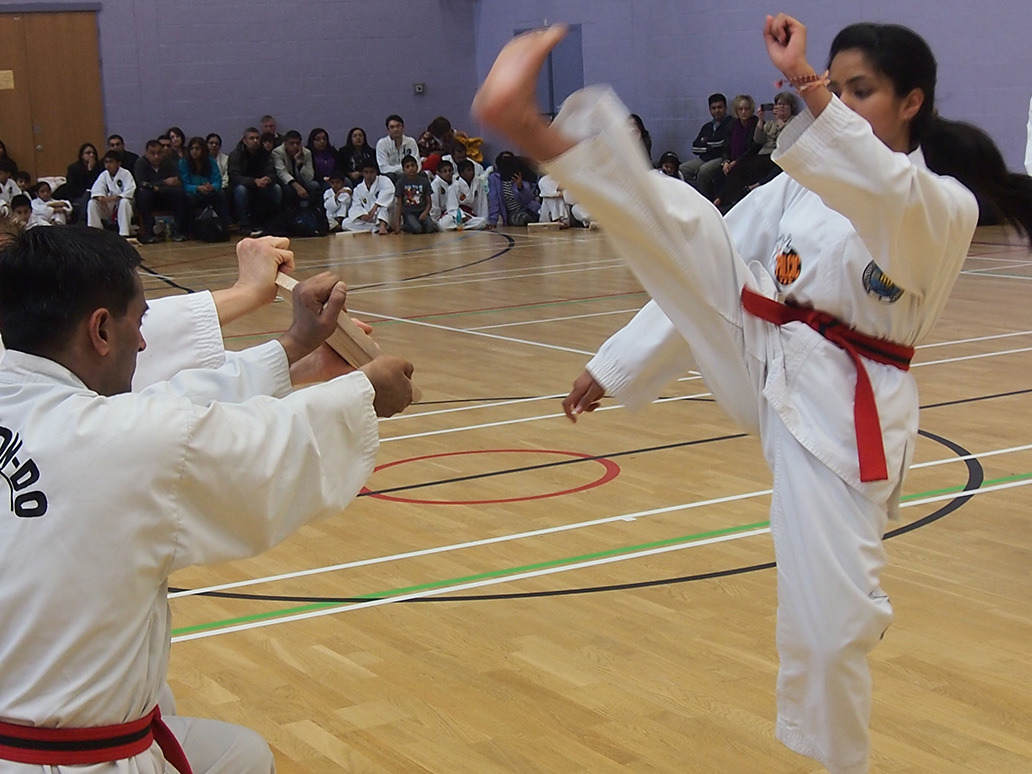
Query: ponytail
x=965, y=152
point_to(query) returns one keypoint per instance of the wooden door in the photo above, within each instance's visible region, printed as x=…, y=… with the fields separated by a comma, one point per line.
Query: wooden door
x=56, y=102
x=15, y=107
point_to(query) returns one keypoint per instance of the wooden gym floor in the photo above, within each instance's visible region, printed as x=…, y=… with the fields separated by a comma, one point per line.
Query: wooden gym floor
x=516, y=593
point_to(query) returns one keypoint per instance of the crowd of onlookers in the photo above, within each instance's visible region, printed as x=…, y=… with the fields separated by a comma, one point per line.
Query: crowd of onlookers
x=182, y=188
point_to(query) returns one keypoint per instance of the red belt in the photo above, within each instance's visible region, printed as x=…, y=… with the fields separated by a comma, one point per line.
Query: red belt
x=869, y=444
x=81, y=746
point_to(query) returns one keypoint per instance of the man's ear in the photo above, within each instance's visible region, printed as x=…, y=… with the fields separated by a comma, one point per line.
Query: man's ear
x=99, y=328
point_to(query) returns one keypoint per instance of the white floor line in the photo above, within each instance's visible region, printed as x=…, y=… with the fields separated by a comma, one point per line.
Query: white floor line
x=536, y=573
x=474, y=333
x=971, y=341
x=973, y=357
x=977, y=273
x=627, y=517
x=555, y=319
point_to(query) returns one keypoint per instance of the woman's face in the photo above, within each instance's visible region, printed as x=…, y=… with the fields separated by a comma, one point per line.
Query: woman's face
x=214, y=146
x=872, y=95
x=744, y=111
x=358, y=138
x=782, y=112
x=89, y=155
x=320, y=141
x=196, y=150
x=177, y=139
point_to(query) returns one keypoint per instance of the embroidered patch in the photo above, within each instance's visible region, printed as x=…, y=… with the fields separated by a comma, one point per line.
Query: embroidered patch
x=879, y=285
x=787, y=263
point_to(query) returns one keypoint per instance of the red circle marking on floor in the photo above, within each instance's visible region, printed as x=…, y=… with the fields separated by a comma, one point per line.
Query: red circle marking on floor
x=612, y=470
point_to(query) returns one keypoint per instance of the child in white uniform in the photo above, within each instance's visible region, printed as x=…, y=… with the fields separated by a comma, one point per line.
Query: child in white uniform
x=554, y=208
x=371, y=203
x=112, y=195
x=858, y=228
x=337, y=200
x=467, y=200
x=46, y=208
x=439, y=187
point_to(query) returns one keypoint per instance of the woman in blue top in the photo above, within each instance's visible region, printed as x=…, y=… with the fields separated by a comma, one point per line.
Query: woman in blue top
x=202, y=180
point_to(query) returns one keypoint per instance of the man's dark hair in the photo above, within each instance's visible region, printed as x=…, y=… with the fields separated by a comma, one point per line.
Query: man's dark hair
x=464, y=165
x=409, y=158
x=293, y=134
x=116, y=137
x=113, y=154
x=51, y=278
x=370, y=163
x=250, y=129
x=152, y=144
x=444, y=163
x=718, y=97
x=394, y=117
x=21, y=200
x=163, y=137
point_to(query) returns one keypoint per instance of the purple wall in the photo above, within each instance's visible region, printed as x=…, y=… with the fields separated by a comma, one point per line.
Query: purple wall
x=218, y=65
x=664, y=59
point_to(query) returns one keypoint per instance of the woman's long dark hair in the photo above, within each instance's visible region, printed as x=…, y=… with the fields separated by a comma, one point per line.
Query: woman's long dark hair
x=953, y=148
x=201, y=166
x=84, y=146
x=315, y=133
x=348, y=147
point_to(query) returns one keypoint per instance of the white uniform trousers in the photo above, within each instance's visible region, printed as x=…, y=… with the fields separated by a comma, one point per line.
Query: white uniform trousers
x=97, y=212
x=354, y=223
x=554, y=208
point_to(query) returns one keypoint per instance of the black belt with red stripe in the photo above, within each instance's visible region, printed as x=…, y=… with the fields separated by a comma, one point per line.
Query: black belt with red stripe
x=869, y=443
x=82, y=746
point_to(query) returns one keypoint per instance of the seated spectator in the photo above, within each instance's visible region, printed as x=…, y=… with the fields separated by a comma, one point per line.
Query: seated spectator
x=252, y=176
x=459, y=154
x=646, y=139
x=413, y=199
x=166, y=147
x=511, y=198
x=703, y=173
x=390, y=150
x=112, y=195
x=324, y=155
x=129, y=159
x=21, y=210
x=79, y=180
x=45, y=207
x=439, y=137
x=158, y=185
x=554, y=208
x=3, y=156
x=214, y=143
x=354, y=154
x=670, y=165
x=8, y=187
x=371, y=202
x=337, y=200
x=177, y=139
x=202, y=181
x=23, y=180
x=741, y=144
x=269, y=141
x=439, y=195
x=295, y=172
x=755, y=170
x=268, y=125
x=467, y=200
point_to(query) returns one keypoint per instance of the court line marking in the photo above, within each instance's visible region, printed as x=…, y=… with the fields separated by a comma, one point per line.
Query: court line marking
x=974, y=357
x=970, y=341
x=554, y=319
x=545, y=531
x=539, y=573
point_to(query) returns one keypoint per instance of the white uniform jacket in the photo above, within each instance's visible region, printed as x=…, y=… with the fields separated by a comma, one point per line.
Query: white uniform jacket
x=122, y=184
x=389, y=155
x=109, y=495
x=854, y=229
x=9, y=190
x=45, y=210
x=363, y=199
x=337, y=204
x=472, y=199
x=438, y=197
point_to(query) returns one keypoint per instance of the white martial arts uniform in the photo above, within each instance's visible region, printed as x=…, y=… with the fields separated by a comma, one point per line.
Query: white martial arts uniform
x=9, y=190
x=471, y=199
x=478, y=169
x=45, y=211
x=553, y=204
x=854, y=229
x=389, y=155
x=363, y=200
x=439, y=204
x=121, y=185
x=178, y=509
x=1028, y=146
x=337, y=206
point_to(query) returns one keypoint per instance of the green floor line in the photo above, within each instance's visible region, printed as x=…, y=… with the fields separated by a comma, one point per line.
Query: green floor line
x=544, y=565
